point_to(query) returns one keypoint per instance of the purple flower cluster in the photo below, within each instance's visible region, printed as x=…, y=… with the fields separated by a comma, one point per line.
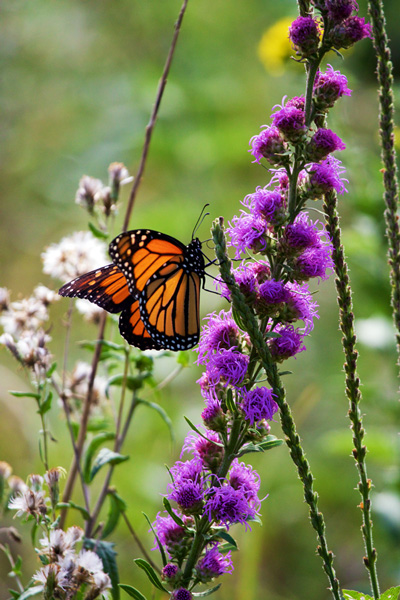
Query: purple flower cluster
x=342, y=28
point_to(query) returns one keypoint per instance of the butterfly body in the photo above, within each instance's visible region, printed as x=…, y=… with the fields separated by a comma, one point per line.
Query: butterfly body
x=154, y=281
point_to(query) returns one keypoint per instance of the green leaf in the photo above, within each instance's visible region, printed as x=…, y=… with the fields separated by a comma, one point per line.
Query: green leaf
x=106, y=457
x=272, y=334
x=391, y=594
x=51, y=370
x=130, y=381
x=98, y=233
x=132, y=592
x=353, y=595
x=32, y=591
x=71, y=504
x=270, y=442
x=282, y=373
x=46, y=404
x=17, y=567
x=117, y=506
x=150, y=572
x=183, y=358
x=206, y=592
x=105, y=550
x=93, y=446
x=34, y=529
x=162, y=414
x=230, y=404
x=25, y=394
x=14, y=593
x=171, y=513
x=228, y=538
x=201, y=434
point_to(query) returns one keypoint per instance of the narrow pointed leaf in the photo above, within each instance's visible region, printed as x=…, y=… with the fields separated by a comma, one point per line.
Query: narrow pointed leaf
x=46, y=405
x=159, y=544
x=201, y=434
x=151, y=574
x=206, y=592
x=117, y=505
x=94, y=444
x=270, y=442
x=228, y=538
x=25, y=395
x=106, y=457
x=98, y=233
x=71, y=504
x=132, y=592
x=171, y=513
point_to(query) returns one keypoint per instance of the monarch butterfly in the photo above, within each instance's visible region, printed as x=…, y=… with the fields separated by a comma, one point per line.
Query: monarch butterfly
x=154, y=282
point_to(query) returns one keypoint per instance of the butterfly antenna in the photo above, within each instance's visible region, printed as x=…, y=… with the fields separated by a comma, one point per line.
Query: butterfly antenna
x=200, y=219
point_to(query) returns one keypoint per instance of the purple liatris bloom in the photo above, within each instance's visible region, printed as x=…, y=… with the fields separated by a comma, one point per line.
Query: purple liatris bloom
x=171, y=535
x=229, y=367
x=272, y=294
x=220, y=333
x=290, y=122
x=208, y=449
x=187, y=489
x=228, y=506
x=289, y=343
x=339, y=10
x=301, y=234
x=299, y=306
x=213, y=564
x=323, y=142
x=247, y=232
x=170, y=573
x=258, y=404
x=243, y=477
x=181, y=594
x=267, y=204
x=350, y=31
x=213, y=416
x=325, y=177
x=313, y=262
x=304, y=33
x=270, y=145
x=329, y=87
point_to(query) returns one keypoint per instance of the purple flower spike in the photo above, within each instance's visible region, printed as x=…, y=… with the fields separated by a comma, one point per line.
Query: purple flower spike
x=339, y=10
x=329, y=87
x=229, y=366
x=325, y=177
x=228, y=506
x=273, y=292
x=300, y=306
x=269, y=205
x=290, y=122
x=220, y=333
x=288, y=344
x=349, y=32
x=213, y=416
x=314, y=262
x=258, y=404
x=169, y=572
x=304, y=34
x=243, y=477
x=181, y=594
x=170, y=534
x=213, y=564
x=323, y=142
x=247, y=232
x=209, y=450
x=302, y=233
x=270, y=145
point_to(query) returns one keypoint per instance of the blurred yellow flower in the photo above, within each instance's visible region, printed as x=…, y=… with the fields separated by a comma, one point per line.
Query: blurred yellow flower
x=274, y=49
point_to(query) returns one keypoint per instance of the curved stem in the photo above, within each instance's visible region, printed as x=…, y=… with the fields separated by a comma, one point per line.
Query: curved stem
x=149, y=129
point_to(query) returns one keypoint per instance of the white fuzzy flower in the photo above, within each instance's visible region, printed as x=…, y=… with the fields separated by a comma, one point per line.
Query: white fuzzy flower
x=102, y=582
x=32, y=350
x=45, y=295
x=29, y=503
x=52, y=574
x=86, y=194
x=89, y=561
x=73, y=256
x=26, y=314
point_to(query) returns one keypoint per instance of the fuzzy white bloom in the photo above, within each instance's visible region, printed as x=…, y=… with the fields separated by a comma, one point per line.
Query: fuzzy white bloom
x=102, y=582
x=90, y=312
x=5, y=469
x=77, y=383
x=45, y=295
x=32, y=350
x=86, y=194
x=119, y=174
x=89, y=561
x=26, y=314
x=29, y=503
x=51, y=573
x=17, y=485
x=73, y=256
x=59, y=542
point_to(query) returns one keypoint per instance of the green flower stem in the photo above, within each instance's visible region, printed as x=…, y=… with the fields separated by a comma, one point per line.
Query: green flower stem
x=287, y=422
x=352, y=382
x=388, y=154
x=312, y=68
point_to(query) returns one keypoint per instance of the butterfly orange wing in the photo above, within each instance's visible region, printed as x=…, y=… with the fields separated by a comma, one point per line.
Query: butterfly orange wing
x=107, y=287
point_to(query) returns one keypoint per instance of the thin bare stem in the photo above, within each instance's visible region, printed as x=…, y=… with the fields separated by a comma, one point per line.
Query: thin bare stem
x=139, y=543
x=84, y=419
x=149, y=129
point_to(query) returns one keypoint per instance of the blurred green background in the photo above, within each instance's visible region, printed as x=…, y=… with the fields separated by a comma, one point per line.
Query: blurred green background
x=78, y=82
